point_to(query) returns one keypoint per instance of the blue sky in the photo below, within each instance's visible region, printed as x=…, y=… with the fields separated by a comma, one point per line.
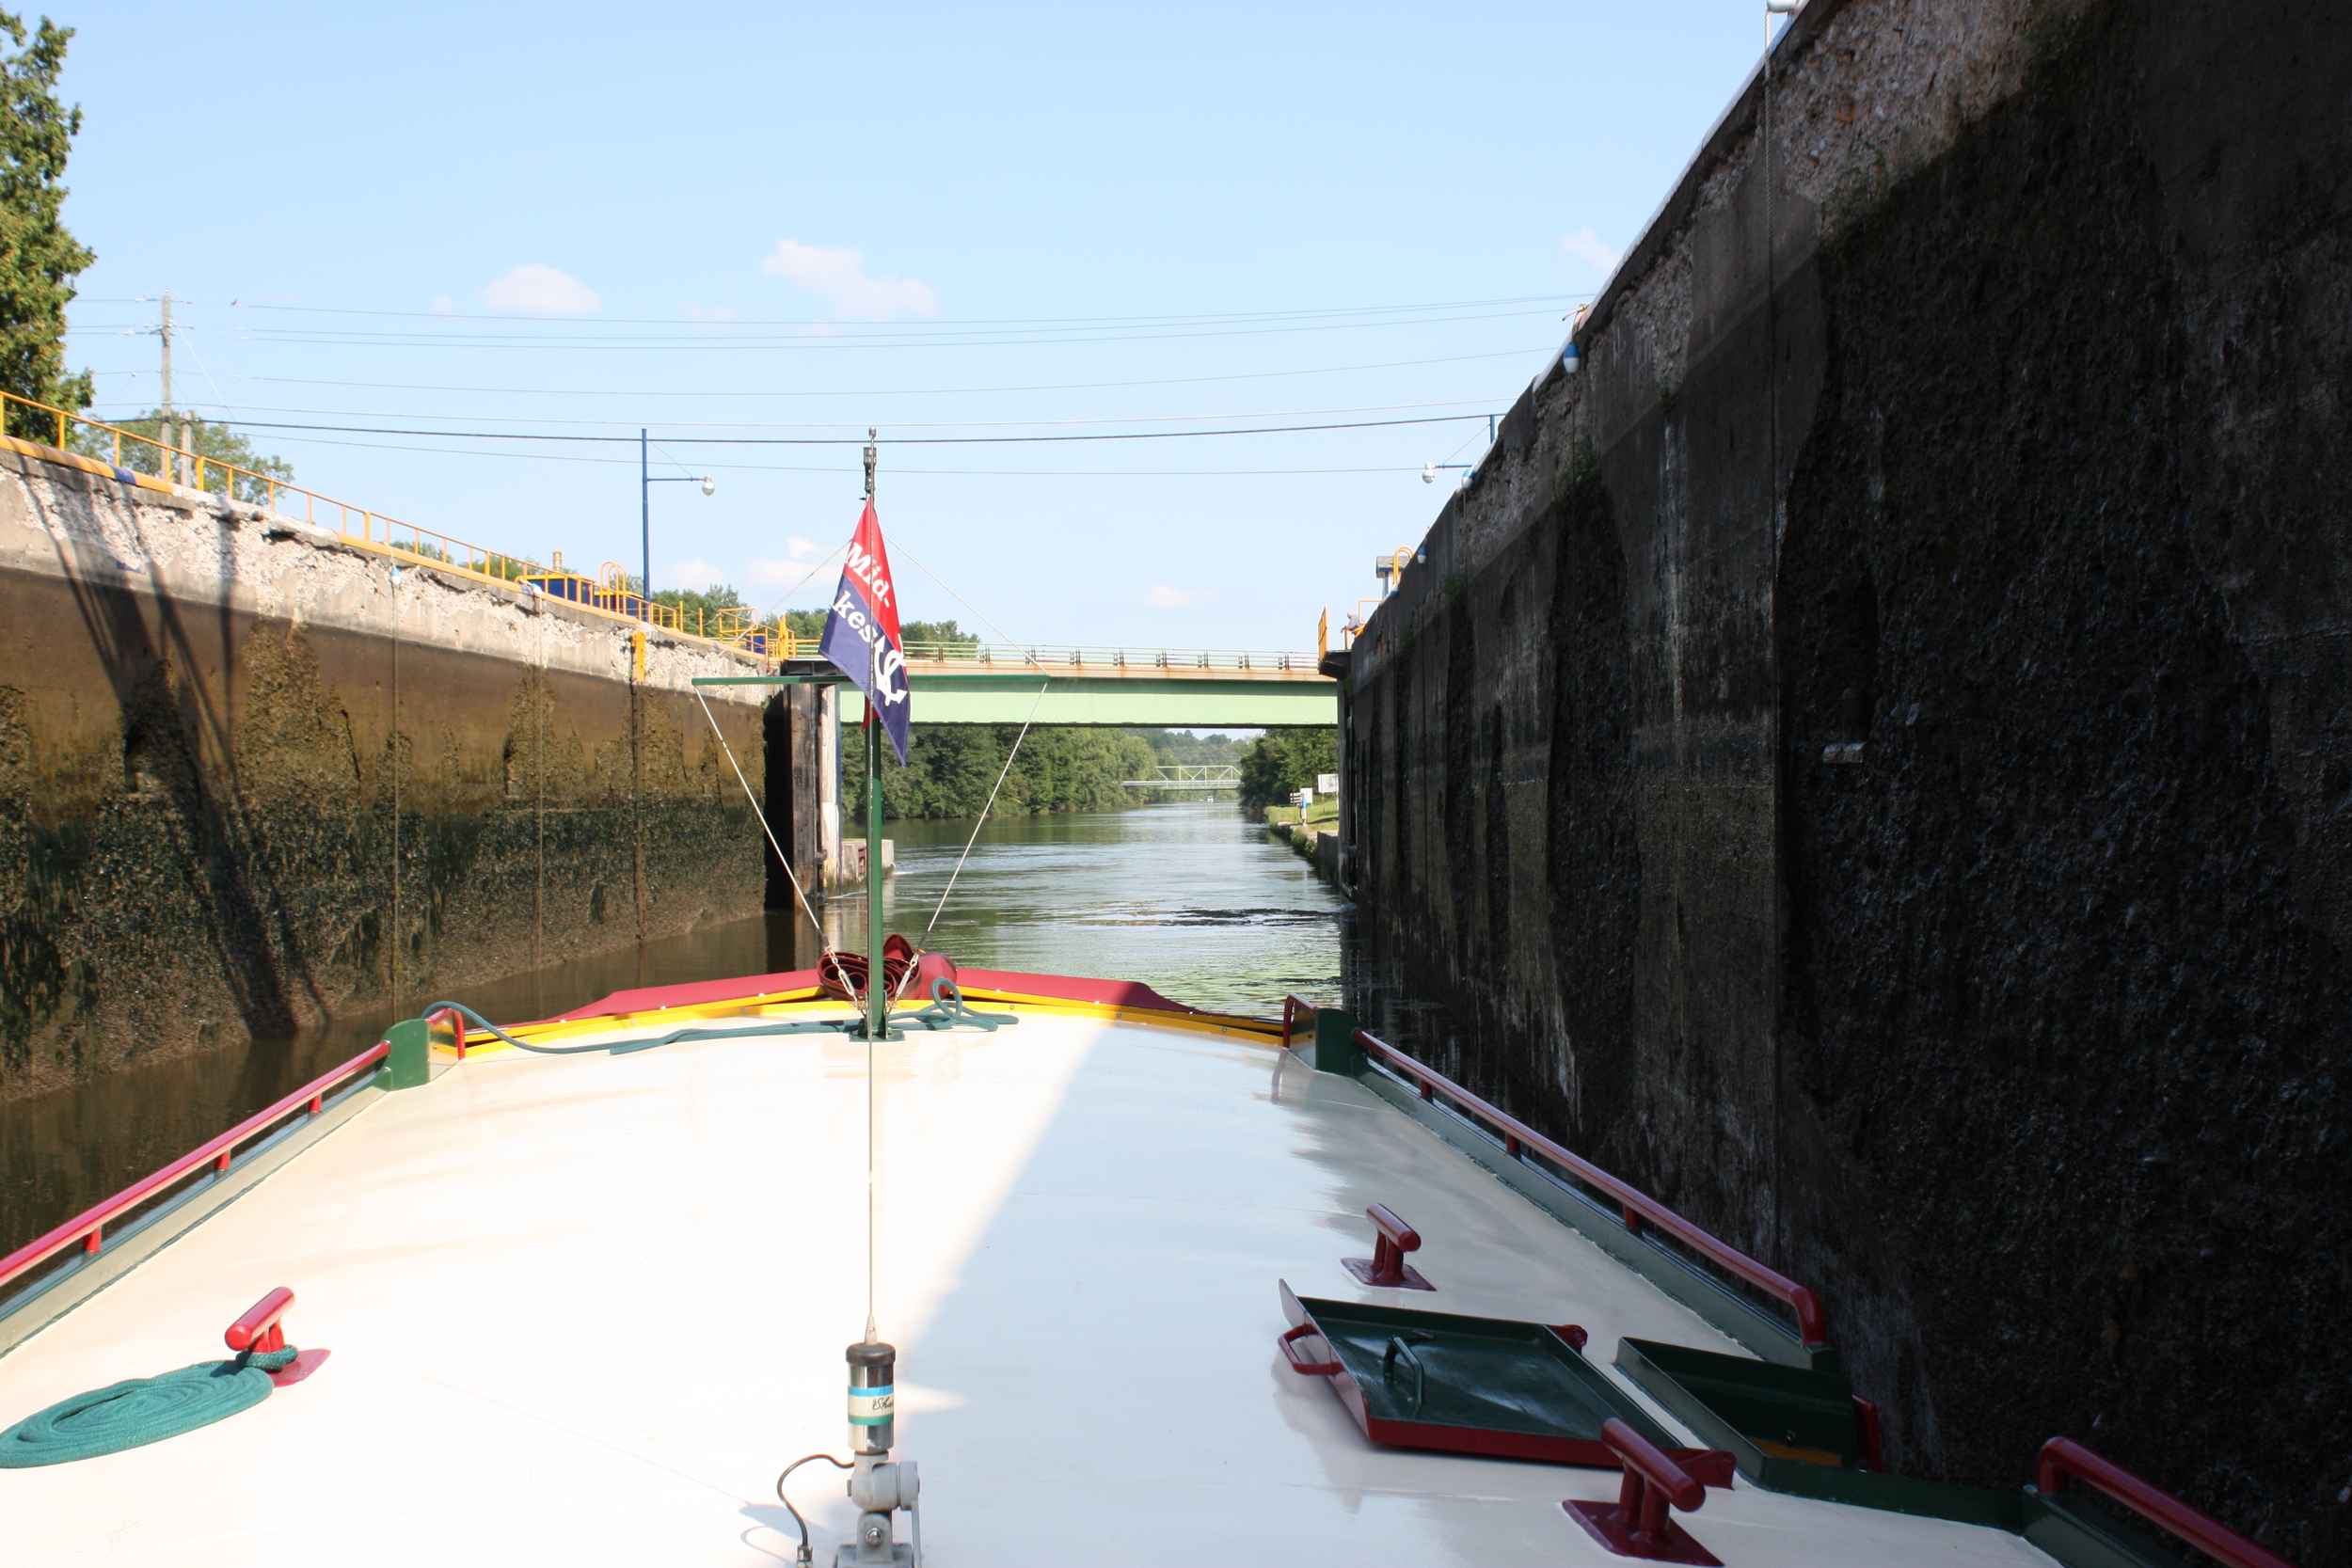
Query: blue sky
x=779, y=222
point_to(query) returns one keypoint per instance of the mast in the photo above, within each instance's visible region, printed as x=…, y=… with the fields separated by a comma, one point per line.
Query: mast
x=877, y=991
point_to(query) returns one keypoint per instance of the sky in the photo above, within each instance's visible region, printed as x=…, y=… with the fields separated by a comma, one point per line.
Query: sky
x=1182, y=233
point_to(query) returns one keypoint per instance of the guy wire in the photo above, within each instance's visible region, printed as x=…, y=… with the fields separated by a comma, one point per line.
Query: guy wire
x=907, y=977
x=782, y=859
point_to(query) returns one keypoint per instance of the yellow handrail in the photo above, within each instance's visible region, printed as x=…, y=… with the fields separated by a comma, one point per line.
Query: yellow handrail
x=426, y=543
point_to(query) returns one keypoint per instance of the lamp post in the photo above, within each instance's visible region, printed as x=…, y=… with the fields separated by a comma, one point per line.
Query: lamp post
x=645, y=482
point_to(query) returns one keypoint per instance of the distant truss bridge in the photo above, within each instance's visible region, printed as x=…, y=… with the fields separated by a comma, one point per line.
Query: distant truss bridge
x=1190, y=776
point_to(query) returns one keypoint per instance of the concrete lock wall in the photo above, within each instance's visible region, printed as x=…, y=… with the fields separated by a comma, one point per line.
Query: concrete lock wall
x=1870, y=757
x=247, y=782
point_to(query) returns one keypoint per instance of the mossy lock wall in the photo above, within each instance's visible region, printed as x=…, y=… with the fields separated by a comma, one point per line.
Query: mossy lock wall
x=248, y=781
x=1870, y=757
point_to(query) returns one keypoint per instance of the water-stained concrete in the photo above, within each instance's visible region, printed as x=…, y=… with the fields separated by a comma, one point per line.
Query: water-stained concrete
x=1870, y=757
x=248, y=780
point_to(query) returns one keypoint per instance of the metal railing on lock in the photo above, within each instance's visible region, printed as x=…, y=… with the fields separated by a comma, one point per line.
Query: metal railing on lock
x=732, y=626
x=1010, y=660
x=212, y=1160
x=229, y=480
x=2062, y=1457
x=1640, y=1211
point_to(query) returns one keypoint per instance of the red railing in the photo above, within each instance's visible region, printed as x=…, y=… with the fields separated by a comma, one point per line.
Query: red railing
x=1293, y=1006
x=90, y=1227
x=1638, y=1207
x=2062, y=1457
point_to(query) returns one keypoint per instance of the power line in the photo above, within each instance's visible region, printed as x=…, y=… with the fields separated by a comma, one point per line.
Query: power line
x=881, y=392
x=1151, y=320
x=857, y=440
x=835, y=468
x=1481, y=403
x=811, y=341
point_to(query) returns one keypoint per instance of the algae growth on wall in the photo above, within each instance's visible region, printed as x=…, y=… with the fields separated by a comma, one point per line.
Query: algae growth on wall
x=1866, y=758
x=249, y=780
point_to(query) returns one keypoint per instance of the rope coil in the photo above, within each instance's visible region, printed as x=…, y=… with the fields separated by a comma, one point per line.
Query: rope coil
x=141, y=1410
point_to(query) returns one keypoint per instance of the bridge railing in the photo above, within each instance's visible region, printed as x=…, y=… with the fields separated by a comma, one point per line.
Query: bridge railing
x=1010, y=659
x=137, y=459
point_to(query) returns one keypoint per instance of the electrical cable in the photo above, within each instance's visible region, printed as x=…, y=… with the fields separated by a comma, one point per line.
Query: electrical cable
x=803, y=1557
x=224, y=408
x=855, y=440
x=996, y=321
x=880, y=392
x=985, y=337
x=833, y=469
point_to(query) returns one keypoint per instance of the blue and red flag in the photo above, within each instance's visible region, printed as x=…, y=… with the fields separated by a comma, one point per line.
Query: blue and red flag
x=862, y=633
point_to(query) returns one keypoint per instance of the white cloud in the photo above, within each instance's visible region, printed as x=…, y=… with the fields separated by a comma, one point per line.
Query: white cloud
x=695, y=574
x=1587, y=246
x=536, y=289
x=799, y=557
x=444, y=306
x=1162, y=597
x=709, y=313
x=838, y=276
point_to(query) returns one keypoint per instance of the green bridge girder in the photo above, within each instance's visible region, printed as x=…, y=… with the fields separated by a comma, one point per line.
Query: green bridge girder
x=1267, y=701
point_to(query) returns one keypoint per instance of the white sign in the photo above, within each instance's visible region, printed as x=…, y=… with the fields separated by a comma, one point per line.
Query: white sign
x=1327, y=783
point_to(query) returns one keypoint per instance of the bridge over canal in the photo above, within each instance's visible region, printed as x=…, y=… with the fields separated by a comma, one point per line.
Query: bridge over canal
x=994, y=684
x=1160, y=688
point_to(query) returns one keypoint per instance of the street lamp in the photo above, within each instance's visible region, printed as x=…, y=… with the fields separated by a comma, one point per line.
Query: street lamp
x=645, y=482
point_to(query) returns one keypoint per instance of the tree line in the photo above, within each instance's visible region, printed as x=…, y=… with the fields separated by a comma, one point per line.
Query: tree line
x=950, y=768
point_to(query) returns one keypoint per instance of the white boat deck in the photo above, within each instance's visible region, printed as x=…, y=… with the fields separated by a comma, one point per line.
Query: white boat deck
x=584, y=1309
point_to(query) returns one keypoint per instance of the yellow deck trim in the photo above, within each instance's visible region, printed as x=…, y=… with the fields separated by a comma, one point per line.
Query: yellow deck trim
x=792, y=1003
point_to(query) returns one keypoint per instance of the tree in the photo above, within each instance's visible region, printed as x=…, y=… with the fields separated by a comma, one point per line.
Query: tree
x=1280, y=761
x=218, y=442
x=38, y=259
x=950, y=770
x=1177, y=748
x=936, y=634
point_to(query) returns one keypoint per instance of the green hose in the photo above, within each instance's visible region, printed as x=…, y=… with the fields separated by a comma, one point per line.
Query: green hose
x=945, y=1011
x=140, y=1410
x=624, y=1047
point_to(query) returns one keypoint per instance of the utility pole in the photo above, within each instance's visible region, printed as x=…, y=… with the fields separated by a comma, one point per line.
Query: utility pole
x=163, y=426
x=645, y=521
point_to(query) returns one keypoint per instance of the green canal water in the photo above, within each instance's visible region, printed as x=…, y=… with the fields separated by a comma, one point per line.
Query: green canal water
x=1189, y=899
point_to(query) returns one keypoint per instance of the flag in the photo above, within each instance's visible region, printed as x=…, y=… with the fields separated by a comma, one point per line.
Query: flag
x=862, y=632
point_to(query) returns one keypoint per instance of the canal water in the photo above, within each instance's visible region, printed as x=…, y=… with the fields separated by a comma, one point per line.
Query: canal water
x=1190, y=898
